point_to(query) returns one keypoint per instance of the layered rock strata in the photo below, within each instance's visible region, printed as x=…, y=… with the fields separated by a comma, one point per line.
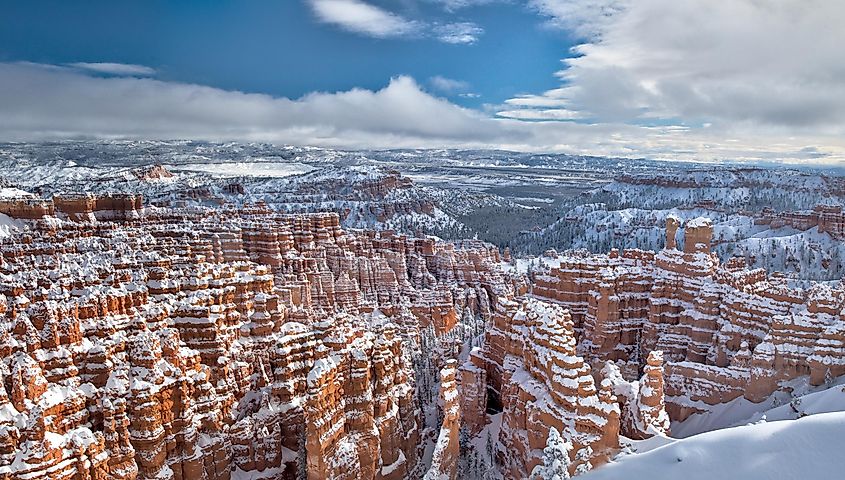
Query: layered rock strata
x=534, y=376
x=725, y=331
x=444, y=462
x=152, y=343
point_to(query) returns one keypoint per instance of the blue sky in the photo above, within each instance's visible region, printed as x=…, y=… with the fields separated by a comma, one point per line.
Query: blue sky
x=280, y=47
x=739, y=80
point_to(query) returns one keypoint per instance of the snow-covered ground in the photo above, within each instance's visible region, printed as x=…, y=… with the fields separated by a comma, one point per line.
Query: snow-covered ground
x=11, y=192
x=9, y=225
x=528, y=203
x=805, y=400
x=808, y=448
x=245, y=169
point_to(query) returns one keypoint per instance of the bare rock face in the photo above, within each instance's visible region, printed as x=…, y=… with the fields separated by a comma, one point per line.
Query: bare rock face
x=149, y=343
x=724, y=331
x=652, y=416
x=698, y=235
x=27, y=208
x=473, y=388
x=828, y=218
x=152, y=173
x=672, y=224
x=641, y=402
x=92, y=208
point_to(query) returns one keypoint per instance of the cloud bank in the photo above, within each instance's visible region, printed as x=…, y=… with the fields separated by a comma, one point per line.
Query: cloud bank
x=742, y=65
x=42, y=102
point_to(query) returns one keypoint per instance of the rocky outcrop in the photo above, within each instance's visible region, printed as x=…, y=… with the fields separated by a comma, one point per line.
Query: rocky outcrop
x=535, y=377
x=26, y=208
x=828, y=218
x=218, y=344
x=152, y=173
x=725, y=331
x=444, y=461
x=641, y=402
x=147, y=342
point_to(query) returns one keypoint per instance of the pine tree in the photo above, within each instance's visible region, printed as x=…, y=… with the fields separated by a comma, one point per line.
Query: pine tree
x=301, y=457
x=583, y=456
x=555, y=458
x=489, y=446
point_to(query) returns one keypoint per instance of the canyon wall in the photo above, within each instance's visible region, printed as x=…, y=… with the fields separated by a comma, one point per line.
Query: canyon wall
x=141, y=342
x=725, y=331
x=153, y=343
x=531, y=370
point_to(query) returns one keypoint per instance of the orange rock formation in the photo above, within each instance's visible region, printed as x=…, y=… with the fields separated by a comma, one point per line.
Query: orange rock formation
x=151, y=343
x=725, y=331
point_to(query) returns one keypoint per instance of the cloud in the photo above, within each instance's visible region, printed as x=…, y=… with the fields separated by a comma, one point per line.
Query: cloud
x=540, y=114
x=455, y=5
x=363, y=18
x=448, y=85
x=360, y=17
x=45, y=102
x=458, y=33
x=124, y=69
x=744, y=66
x=585, y=18
x=40, y=101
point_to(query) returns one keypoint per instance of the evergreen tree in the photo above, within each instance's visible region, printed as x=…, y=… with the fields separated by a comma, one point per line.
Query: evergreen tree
x=583, y=456
x=555, y=458
x=489, y=446
x=301, y=457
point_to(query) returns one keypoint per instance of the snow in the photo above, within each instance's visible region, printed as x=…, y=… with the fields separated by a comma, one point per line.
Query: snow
x=245, y=169
x=11, y=192
x=741, y=411
x=808, y=448
x=699, y=222
x=320, y=369
x=9, y=225
x=238, y=474
x=388, y=469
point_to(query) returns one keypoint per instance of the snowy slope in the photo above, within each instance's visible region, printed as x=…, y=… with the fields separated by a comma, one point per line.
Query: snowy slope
x=780, y=406
x=809, y=448
x=9, y=225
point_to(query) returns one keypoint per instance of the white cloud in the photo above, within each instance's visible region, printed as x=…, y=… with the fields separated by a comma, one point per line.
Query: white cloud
x=125, y=69
x=458, y=33
x=363, y=18
x=746, y=67
x=540, y=114
x=587, y=18
x=448, y=85
x=43, y=102
x=360, y=17
x=454, y=5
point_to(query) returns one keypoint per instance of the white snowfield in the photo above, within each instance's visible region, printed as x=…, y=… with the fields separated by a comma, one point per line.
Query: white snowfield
x=9, y=225
x=810, y=401
x=810, y=448
x=245, y=169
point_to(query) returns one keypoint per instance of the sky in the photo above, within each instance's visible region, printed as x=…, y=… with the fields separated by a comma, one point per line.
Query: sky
x=708, y=80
